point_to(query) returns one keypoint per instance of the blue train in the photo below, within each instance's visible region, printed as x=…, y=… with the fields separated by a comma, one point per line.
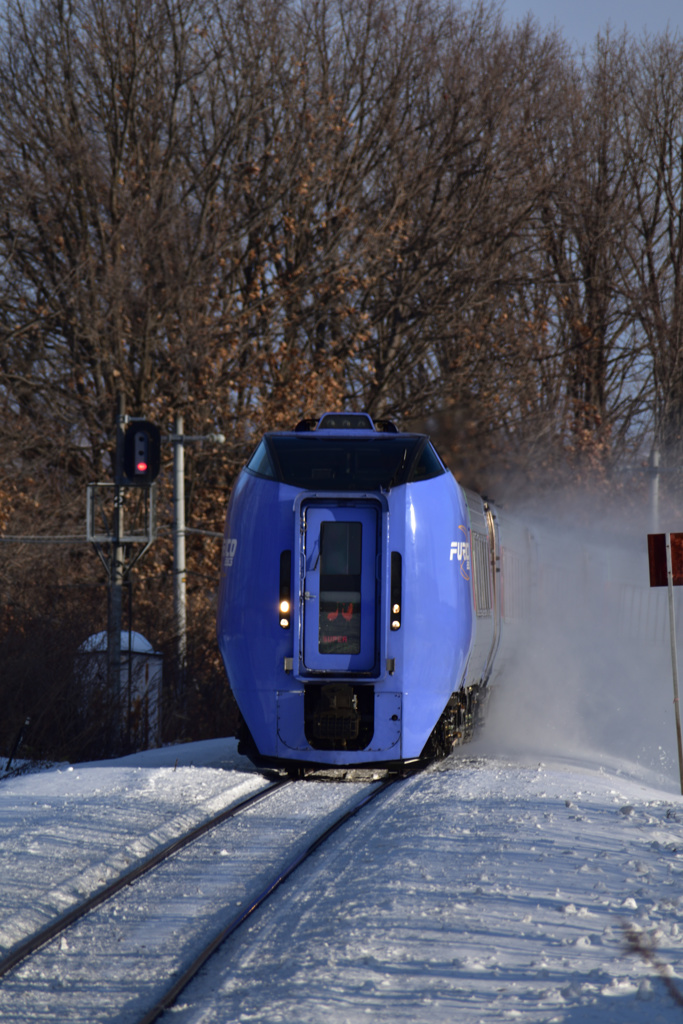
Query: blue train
x=361, y=609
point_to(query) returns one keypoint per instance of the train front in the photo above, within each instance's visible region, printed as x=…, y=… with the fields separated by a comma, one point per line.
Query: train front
x=345, y=606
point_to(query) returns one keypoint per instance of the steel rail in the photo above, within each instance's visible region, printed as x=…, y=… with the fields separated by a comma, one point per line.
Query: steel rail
x=172, y=993
x=60, y=924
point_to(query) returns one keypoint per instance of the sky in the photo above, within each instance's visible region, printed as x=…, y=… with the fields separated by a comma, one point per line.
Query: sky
x=580, y=20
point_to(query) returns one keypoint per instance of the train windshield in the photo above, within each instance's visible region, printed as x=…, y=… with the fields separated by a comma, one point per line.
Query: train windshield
x=345, y=464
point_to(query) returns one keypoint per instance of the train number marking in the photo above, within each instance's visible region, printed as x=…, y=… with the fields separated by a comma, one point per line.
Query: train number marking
x=229, y=549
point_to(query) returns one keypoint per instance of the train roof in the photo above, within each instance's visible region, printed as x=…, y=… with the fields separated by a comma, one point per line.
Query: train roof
x=354, y=421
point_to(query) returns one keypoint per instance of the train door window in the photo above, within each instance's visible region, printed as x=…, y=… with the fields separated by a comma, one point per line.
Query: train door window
x=340, y=588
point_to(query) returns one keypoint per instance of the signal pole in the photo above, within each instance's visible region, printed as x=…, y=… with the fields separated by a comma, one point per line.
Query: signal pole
x=179, y=565
x=117, y=560
x=180, y=531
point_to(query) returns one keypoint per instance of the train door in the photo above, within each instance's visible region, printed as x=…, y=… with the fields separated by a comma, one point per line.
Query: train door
x=340, y=588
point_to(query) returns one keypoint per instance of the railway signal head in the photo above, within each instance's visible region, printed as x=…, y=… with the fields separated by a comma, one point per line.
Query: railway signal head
x=141, y=452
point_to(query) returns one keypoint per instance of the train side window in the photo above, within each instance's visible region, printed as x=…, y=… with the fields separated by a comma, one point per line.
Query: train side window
x=513, y=591
x=260, y=463
x=427, y=466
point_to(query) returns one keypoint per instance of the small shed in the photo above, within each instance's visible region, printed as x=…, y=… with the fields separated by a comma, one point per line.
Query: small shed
x=139, y=696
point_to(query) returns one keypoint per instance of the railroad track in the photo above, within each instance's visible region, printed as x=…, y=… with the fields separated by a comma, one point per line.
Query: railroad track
x=136, y=944
x=40, y=938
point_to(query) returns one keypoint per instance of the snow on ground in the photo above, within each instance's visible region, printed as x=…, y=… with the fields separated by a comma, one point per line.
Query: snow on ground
x=489, y=890
x=116, y=962
x=66, y=831
x=494, y=888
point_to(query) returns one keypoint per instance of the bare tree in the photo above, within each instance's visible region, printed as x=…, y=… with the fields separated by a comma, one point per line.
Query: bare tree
x=248, y=212
x=652, y=138
x=587, y=356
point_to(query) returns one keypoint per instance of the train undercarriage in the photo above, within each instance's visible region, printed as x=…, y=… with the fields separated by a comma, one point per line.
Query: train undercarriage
x=339, y=716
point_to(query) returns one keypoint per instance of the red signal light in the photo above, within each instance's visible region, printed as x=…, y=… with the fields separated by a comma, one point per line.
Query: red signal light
x=141, y=452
